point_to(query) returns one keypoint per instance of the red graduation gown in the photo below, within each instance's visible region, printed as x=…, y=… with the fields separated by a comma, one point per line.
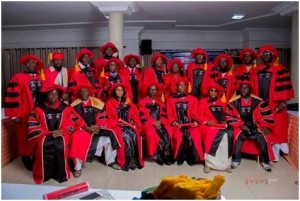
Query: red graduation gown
x=111, y=108
x=280, y=88
x=209, y=133
x=261, y=115
x=169, y=86
x=40, y=125
x=18, y=102
x=152, y=137
x=81, y=141
x=193, y=115
x=197, y=71
x=150, y=77
x=227, y=81
x=241, y=72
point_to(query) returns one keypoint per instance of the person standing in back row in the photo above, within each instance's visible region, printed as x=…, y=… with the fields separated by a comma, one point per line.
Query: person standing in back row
x=20, y=99
x=273, y=84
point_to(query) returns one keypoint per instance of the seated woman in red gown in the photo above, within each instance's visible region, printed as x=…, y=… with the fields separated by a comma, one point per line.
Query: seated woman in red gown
x=183, y=113
x=217, y=136
x=49, y=127
x=123, y=116
x=156, y=127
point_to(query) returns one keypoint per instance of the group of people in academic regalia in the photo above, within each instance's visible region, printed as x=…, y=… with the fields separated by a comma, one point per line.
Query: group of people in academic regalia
x=124, y=112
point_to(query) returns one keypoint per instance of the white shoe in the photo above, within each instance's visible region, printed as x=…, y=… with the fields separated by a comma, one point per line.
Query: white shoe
x=276, y=159
x=234, y=165
x=266, y=167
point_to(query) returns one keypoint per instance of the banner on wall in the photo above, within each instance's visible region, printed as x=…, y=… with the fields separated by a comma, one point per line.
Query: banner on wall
x=185, y=55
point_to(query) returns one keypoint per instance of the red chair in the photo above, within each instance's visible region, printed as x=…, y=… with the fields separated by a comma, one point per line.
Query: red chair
x=250, y=146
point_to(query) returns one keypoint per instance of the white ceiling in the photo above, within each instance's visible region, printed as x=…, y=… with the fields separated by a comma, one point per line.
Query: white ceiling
x=151, y=15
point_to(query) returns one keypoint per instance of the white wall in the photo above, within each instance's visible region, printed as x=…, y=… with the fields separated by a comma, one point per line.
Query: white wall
x=161, y=39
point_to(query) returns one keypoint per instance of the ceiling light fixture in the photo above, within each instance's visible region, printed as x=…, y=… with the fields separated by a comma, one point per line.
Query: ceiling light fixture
x=237, y=16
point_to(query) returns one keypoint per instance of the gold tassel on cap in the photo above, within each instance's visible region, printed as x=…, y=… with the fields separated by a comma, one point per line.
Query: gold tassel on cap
x=102, y=73
x=254, y=61
x=162, y=97
x=77, y=67
x=42, y=74
x=50, y=57
x=205, y=66
x=127, y=99
x=230, y=72
x=223, y=99
x=276, y=63
x=189, y=88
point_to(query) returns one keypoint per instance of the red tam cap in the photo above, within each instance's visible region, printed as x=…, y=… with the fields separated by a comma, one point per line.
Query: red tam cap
x=84, y=51
x=213, y=85
x=180, y=79
x=199, y=51
x=114, y=86
x=175, y=61
x=107, y=45
x=158, y=55
x=267, y=48
x=117, y=61
x=76, y=90
x=146, y=89
x=247, y=82
x=39, y=63
x=247, y=51
x=128, y=57
x=57, y=55
x=48, y=86
x=223, y=56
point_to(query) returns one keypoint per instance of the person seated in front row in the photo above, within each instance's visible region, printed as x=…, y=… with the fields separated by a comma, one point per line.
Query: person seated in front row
x=216, y=134
x=156, y=126
x=183, y=113
x=251, y=119
x=125, y=122
x=49, y=127
x=96, y=134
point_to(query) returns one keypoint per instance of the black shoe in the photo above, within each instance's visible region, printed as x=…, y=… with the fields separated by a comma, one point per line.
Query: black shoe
x=190, y=163
x=167, y=162
x=28, y=162
x=159, y=161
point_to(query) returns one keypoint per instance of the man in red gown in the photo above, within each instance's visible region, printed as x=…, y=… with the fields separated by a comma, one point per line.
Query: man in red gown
x=273, y=84
x=245, y=70
x=58, y=74
x=252, y=119
x=199, y=71
x=83, y=72
x=223, y=74
x=107, y=50
x=156, y=72
x=134, y=73
x=20, y=99
x=183, y=113
x=96, y=135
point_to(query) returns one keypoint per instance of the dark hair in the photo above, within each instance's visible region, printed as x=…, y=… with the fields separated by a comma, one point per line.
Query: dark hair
x=114, y=95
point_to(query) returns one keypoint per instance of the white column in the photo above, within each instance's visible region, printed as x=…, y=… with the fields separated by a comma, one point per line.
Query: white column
x=116, y=31
x=295, y=56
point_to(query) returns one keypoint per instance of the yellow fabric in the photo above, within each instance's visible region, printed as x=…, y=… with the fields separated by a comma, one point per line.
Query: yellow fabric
x=50, y=57
x=276, y=63
x=184, y=187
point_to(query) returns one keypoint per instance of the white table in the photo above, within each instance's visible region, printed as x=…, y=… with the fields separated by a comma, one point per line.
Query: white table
x=36, y=192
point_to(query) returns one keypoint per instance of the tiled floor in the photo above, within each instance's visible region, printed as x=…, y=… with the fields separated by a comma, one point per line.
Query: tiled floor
x=248, y=181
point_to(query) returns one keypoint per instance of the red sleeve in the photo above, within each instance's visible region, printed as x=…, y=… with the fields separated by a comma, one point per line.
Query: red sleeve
x=232, y=116
x=283, y=84
x=12, y=98
x=36, y=124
